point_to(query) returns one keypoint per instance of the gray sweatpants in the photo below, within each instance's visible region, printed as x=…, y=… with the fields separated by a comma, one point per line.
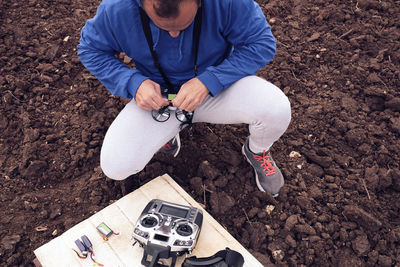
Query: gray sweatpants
x=134, y=136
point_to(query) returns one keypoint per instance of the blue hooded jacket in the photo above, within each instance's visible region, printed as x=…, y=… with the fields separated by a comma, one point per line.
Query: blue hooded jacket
x=235, y=42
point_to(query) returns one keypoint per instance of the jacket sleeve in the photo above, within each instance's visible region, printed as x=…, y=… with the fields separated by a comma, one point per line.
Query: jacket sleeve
x=253, y=46
x=96, y=50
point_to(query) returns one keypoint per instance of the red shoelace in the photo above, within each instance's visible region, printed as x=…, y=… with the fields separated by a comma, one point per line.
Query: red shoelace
x=266, y=163
x=167, y=145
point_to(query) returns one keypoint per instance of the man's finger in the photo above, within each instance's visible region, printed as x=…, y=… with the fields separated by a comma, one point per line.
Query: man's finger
x=156, y=104
x=164, y=102
x=186, y=105
x=145, y=107
x=176, y=102
x=191, y=107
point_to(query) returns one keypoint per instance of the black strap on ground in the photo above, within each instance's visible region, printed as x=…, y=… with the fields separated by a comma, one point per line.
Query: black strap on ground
x=157, y=252
x=223, y=258
x=196, y=39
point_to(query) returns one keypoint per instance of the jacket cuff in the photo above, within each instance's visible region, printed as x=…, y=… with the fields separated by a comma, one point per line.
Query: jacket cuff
x=134, y=82
x=211, y=82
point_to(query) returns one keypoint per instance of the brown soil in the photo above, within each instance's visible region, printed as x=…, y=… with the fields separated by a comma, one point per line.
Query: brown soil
x=338, y=62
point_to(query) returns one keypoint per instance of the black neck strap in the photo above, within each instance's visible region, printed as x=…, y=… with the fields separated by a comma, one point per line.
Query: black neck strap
x=227, y=257
x=196, y=37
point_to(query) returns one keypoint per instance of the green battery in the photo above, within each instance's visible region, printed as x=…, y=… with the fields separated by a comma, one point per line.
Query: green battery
x=171, y=97
x=104, y=229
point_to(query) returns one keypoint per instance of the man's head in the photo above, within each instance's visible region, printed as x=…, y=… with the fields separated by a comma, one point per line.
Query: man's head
x=172, y=16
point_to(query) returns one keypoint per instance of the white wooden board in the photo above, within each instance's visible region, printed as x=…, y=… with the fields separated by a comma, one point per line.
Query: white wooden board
x=121, y=217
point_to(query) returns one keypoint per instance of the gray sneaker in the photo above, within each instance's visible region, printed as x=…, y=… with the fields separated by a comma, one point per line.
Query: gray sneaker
x=268, y=176
x=172, y=147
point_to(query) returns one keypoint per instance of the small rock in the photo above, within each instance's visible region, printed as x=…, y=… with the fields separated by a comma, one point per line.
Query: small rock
x=52, y=51
x=294, y=154
x=310, y=215
x=315, y=170
x=283, y=216
x=278, y=255
x=319, y=227
x=315, y=192
x=361, y=245
x=270, y=231
x=291, y=221
x=314, y=36
x=41, y=229
x=269, y=209
x=349, y=104
x=305, y=228
x=31, y=135
x=325, y=235
x=290, y=241
x=332, y=186
x=356, y=137
x=314, y=238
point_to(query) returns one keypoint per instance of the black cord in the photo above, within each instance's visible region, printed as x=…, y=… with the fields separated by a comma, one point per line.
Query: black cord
x=149, y=38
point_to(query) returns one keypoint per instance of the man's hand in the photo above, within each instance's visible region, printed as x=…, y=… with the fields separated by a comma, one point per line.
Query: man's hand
x=148, y=96
x=191, y=95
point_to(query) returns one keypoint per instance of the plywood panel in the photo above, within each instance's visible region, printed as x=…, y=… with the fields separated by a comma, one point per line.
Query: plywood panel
x=121, y=217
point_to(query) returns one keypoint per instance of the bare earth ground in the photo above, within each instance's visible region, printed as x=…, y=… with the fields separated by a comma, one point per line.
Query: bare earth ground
x=338, y=62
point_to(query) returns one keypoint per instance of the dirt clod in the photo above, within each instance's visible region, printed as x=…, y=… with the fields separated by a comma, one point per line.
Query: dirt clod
x=362, y=217
x=338, y=63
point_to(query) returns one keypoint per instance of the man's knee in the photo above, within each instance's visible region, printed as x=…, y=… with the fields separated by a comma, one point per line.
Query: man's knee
x=281, y=107
x=119, y=168
x=270, y=102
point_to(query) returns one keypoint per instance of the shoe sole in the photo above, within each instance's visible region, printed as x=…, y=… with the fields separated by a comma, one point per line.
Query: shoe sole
x=178, y=141
x=256, y=175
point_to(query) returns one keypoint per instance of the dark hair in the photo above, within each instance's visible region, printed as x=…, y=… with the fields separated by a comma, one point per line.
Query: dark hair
x=168, y=8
